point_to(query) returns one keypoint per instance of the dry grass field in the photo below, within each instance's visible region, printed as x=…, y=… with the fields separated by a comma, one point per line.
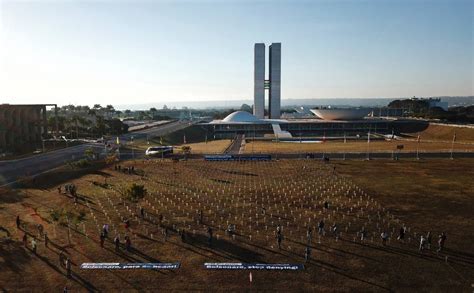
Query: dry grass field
x=211, y=147
x=353, y=146
x=445, y=133
x=434, y=195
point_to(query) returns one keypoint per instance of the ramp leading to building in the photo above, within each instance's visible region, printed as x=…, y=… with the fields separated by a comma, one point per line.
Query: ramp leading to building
x=280, y=133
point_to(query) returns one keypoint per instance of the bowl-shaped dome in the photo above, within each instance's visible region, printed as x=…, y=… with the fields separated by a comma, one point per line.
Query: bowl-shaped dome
x=240, y=116
x=341, y=114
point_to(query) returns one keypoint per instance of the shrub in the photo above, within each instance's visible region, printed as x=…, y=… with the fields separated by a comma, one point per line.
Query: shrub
x=82, y=163
x=55, y=215
x=135, y=192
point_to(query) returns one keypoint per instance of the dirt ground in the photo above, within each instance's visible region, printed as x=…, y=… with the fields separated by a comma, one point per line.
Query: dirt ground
x=381, y=196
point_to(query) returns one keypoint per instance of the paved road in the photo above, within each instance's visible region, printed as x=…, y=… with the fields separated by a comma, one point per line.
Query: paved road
x=37, y=164
x=234, y=147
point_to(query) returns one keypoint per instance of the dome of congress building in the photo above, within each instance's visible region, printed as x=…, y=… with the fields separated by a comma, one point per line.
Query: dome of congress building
x=341, y=114
x=240, y=116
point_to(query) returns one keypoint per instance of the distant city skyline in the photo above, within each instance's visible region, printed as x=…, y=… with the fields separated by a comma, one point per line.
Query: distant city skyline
x=162, y=52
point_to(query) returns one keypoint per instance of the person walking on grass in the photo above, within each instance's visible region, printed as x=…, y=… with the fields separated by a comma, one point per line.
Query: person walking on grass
x=200, y=217
x=68, y=267
x=384, y=237
x=117, y=243
x=441, y=241
x=183, y=235
x=165, y=232
x=33, y=245
x=363, y=234
x=160, y=219
x=102, y=239
x=279, y=239
x=209, y=234
x=105, y=230
x=429, y=238
x=128, y=244
x=335, y=231
x=422, y=243
x=307, y=254
x=401, y=234
x=309, y=234
x=321, y=227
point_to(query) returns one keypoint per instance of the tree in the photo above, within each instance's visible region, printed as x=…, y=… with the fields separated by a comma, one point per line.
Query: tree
x=246, y=108
x=135, y=192
x=55, y=216
x=89, y=153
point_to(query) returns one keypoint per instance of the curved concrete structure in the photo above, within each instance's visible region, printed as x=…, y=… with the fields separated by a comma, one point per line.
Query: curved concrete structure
x=240, y=116
x=341, y=114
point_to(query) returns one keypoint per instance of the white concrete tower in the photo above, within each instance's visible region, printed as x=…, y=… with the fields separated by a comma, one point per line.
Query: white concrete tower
x=275, y=79
x=259, y=81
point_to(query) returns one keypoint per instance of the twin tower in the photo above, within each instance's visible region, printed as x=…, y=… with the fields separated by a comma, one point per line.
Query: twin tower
x=272, y=84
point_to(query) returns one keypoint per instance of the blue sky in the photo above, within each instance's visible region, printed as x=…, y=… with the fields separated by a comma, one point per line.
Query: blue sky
x=117, y=52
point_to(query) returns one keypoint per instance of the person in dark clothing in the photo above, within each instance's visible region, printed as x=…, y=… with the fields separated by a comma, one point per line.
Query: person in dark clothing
x=429, y=238
x=309, y=234
x=105, y=230
x=279, y=239
x=25, y=240
x=200, y=217
x=441, y=241
x=321, y=227
x=307, y=254
x=117, y=243
x=326, y=205
x=363, y=234
x=102, y=239
x=401, y=234
x=160, y=219
x=166, y=233
x=142, y=212
x=128, y=243
x=183, y=235
x=209, y=233
x=18, y=222
x=46, y=239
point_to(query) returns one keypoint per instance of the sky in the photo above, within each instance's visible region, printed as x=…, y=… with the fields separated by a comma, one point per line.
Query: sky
x=125, y=52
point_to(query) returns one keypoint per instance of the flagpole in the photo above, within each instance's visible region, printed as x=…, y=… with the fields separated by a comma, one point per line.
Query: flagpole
x=452, y=145
x=344, y=154
x=418, y=147
x=368, y=145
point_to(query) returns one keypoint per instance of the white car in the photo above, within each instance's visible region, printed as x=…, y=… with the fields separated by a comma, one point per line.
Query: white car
x=159, y=150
